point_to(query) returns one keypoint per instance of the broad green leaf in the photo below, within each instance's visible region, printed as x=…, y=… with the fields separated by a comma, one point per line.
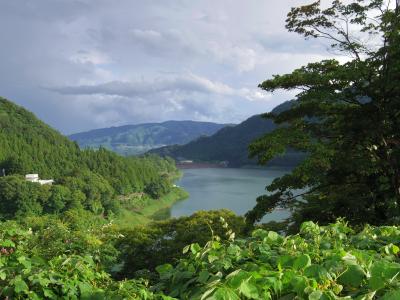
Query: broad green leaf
x=316, y=295
x=285, y=261
x=223, y=294
x=20, y=285
x=299, y=283
x=85, y=289
x=273, y=237
x=195, y=248
x=259, y=233
x=3, y=275
x=352, y=277
x=203, y=276
x=248, y=289
x=392, y=295
x=212, y=258
x=309, y=227
x=317, y=272
x=25, y=262
x=302, y=262
x=383, y=272
x=236, y=278
x=164, y=271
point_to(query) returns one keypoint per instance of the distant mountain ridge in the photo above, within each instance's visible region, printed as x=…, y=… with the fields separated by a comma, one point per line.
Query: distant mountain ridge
x=139, y=138
x=230, y=144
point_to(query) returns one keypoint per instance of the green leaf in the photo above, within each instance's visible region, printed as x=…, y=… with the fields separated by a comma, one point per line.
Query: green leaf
x=317, y=272
x=382, y=273
x=85, y=289
x=3, y=275
x=236, y=278
x=186, y=249
x=203, y=276
x=299, y=284
x=248, y=289
x=353, y=276
x=392, y=295
x=316, y=295
x=164, y=271
x=273, y=237
x=7, y=243
x=25, y=262
x=20, y=285
x=223, y=294
x=259, y=233
x=302, y=262
x=285, y=261
x=49, y=294
x=207, y=293
x=309, y=227
x=195, y=248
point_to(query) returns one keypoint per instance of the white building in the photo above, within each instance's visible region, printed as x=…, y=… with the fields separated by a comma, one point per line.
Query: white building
x=186, y=161
x=35, y=178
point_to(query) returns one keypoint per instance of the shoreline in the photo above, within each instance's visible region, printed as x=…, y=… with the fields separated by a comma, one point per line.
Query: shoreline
x=200, y=166
x=144, y=216
x=219, y=166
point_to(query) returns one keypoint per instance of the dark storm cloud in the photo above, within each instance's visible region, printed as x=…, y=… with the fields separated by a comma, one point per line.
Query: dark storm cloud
x=81, y=64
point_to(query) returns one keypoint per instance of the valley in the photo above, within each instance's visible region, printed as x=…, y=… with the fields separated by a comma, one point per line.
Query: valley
x=291, y=192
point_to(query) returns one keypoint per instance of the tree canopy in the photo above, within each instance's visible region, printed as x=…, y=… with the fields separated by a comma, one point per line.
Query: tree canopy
x=345, y=117
x=87, y=179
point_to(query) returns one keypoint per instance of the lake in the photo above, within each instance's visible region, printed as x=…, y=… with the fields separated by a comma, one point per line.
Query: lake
x=234, y=189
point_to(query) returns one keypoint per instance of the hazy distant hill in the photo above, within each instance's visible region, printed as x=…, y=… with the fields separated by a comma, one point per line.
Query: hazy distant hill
x=137, y=139
x=230, y=144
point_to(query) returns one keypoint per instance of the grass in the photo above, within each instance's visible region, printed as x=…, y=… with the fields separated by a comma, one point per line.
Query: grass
x=153, y=210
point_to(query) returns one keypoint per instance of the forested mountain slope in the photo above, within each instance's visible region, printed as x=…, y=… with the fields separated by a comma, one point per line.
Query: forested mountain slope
x=29, y=145
x=230, y=144
x=83, y=178
x=137, y=139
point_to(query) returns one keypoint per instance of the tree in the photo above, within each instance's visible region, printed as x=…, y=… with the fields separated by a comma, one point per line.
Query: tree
x=146, y=247
x=345, y=117
x=159, y=187
x=12, y=165
x=60, y=196
x=19, y=197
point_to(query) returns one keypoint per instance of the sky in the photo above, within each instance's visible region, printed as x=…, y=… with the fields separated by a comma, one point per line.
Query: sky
x=85, y=64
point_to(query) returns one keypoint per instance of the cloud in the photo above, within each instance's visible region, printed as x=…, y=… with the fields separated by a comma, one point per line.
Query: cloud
x=184, y=85
x=84, y=64
x=168, y=97
x=90, y=57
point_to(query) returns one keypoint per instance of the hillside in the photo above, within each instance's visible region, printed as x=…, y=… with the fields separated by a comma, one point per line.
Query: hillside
x=83, y=178
x=29, y=145
x=230, y=144
x=137, y=139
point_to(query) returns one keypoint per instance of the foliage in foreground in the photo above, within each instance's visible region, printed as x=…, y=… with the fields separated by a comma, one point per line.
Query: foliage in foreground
x=26, y=275
x=320, y=262
x=329, y=262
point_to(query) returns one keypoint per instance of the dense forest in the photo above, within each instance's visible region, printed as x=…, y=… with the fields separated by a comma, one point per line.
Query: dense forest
x=83, y=178
x=341, y=242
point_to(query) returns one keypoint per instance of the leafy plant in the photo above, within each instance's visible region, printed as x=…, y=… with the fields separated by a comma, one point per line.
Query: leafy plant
x=320, y=262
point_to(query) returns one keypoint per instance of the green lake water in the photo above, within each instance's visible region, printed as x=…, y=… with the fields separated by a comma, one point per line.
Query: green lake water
x=234, y=189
